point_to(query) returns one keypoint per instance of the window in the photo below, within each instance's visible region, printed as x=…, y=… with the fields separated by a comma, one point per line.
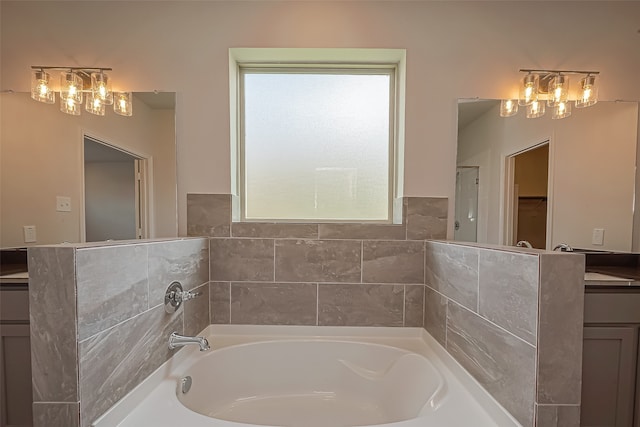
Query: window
x=316, y=142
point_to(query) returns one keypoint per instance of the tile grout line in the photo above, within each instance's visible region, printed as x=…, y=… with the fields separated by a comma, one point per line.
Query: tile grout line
x=495, y=325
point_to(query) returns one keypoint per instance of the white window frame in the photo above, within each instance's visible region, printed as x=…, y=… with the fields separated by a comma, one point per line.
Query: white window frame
x=340, y=61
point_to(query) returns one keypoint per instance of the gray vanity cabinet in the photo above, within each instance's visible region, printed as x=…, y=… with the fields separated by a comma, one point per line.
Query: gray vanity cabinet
x=610, y=365
x=15, y=357
x=608, y=380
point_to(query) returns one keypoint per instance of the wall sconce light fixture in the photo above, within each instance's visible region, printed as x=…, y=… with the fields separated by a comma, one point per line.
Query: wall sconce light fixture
x=538, y=87
x=77, y=83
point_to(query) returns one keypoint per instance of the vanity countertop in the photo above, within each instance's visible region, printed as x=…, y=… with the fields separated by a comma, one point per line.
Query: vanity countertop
x=600, y=280
x=15, y=278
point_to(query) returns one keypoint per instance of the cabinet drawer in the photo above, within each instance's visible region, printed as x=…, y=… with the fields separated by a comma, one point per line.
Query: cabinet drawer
x=612, y=307
x=14, y=305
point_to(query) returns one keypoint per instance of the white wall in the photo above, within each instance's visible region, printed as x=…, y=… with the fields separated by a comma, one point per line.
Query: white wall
x=454, y=50
x=41, y=158
x=592, y=155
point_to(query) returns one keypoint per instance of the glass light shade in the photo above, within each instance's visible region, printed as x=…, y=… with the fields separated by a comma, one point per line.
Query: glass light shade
x=71, y=87
x=101, y=87
x=535, y=110
x=123, y=103
x=588, y=93
x=562, y=110
x=94, y=105
x=508, y=107
x=558, y=90
x=41, y=87
x=529, y=89
x=70, y=106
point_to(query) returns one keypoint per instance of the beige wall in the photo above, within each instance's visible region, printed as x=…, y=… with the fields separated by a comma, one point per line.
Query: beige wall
x=183, y=47
x=41, y=158
x=592, y=162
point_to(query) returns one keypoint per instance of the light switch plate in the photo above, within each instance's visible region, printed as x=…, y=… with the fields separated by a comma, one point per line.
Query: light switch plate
x=29, y=233
x=63, y=204
x=598, y=236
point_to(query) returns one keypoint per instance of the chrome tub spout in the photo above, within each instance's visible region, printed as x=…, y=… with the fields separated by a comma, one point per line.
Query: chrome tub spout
x=176, y=341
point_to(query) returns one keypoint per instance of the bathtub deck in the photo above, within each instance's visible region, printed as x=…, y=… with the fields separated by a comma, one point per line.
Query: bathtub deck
x=154, y=403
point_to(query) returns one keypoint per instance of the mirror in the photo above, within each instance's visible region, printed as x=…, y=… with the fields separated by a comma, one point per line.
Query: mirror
x=55, y=174
x=581, y=191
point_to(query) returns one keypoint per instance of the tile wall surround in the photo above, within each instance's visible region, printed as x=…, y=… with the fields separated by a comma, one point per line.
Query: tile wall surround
x=513, y=319
x=348, y=274
x=98, y=325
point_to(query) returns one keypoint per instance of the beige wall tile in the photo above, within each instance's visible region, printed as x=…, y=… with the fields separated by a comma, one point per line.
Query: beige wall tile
x=273, y=303
x=241, y=260
x=393, y=262
x=426, y=218
x=508, y=291
x=560, y=328
x=413, y=305
x=360, y=305
x=362, y=231
x=274, y=230
x=502, y=363
x=318, y=260
x=219, y=302
x=452, y=270
x=209, y=215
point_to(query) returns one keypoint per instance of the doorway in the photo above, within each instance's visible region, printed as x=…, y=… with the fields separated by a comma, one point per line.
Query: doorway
x=528, y=192
x=114, y=193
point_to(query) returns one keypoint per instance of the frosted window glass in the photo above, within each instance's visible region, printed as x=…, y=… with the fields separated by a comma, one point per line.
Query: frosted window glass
x=316, y=146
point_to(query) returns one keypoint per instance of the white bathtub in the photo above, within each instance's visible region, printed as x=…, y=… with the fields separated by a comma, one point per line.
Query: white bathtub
x=310, y=377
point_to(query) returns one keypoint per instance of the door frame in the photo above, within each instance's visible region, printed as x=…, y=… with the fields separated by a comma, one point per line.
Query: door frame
x=508, y=206
x=144, y=184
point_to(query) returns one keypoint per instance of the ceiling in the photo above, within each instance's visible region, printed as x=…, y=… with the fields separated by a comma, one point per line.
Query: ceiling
x=471, y=109
x=158, y=100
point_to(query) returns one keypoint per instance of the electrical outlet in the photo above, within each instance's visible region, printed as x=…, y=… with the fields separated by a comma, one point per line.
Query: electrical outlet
x=598, y=236
x=29, y=233
x=63, y=204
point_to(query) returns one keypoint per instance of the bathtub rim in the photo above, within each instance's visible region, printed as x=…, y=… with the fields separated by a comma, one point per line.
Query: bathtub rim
x=413, y=339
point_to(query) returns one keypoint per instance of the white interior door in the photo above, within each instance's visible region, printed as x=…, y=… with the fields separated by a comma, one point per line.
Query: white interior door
x=466, y=210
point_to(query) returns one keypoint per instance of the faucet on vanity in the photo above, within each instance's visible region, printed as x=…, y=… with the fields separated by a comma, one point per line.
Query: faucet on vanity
x=563, y=247
x=176, y=341
x=523, y=244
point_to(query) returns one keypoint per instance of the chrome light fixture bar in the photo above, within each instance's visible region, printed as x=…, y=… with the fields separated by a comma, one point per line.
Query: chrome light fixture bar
x=77, y=83
x=552, y=86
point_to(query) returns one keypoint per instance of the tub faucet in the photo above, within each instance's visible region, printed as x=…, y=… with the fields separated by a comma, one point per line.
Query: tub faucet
x=176, y=341
x=563, y=247
x=524, y=244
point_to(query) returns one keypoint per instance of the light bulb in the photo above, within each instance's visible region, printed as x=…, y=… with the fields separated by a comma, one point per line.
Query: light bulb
x=561, y=110
x=71, y=86
x=123, y=104
x=535, y=110
x=70, y=106
x=508, y=107
x=528, y=89
x=40, y=87
x=588, y=94
x=101, y=87
x=94, y=105
x=558, y=90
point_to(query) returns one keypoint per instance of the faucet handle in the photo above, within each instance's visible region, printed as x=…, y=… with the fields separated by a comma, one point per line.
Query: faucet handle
x=187, y=295
x=175, y=296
